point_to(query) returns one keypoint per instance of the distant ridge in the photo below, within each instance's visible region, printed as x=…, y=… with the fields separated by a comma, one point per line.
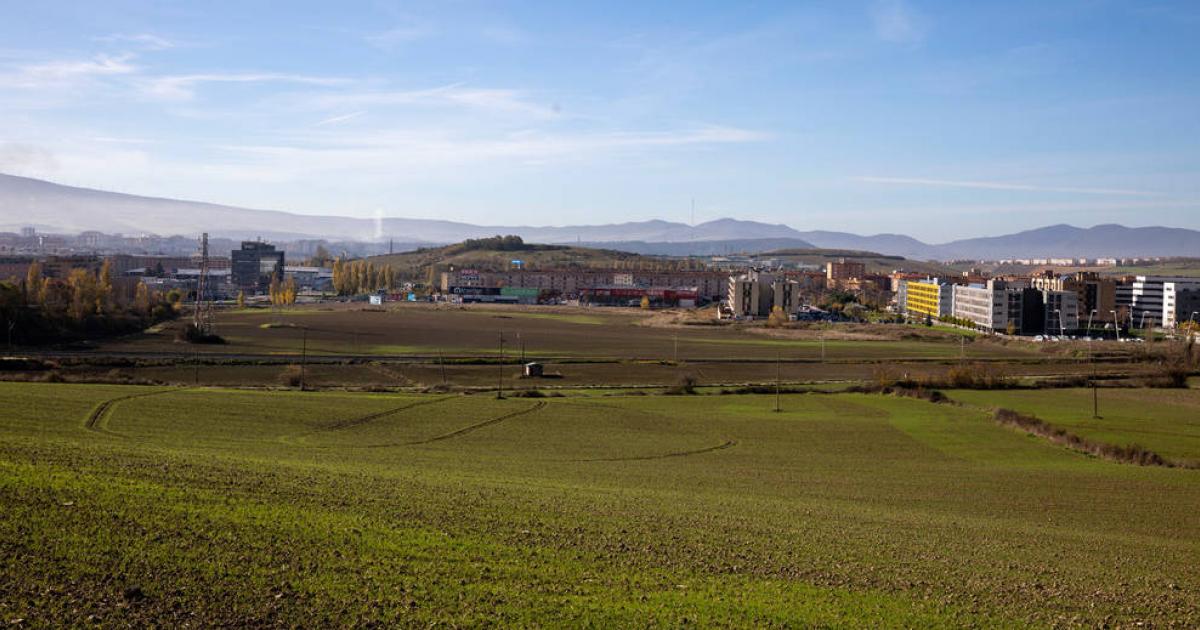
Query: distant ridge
x=56, y=208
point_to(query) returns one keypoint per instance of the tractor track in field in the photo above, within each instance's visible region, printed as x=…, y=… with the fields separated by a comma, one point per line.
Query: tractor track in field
x=97, y=420
x=537, y=406
x=700, y=451
x=350, y=423
x=467, y=429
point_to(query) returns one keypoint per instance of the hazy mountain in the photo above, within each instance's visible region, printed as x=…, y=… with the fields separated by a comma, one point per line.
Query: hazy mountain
x=892, y=244
x=1069, y=241
x=703, y=247
x=57, y=208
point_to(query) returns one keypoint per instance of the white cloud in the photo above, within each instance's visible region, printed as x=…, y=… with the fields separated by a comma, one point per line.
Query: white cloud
x=182, y=87
x=896, y=22
x=944, y=183
x=496, y=100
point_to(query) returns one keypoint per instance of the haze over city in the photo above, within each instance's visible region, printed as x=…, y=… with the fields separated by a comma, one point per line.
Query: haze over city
x=941, y=120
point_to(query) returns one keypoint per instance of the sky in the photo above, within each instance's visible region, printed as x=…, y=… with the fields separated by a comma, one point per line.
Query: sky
x=939, y=120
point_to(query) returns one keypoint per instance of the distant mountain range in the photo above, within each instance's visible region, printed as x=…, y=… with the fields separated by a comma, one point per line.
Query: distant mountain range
x=50, y=207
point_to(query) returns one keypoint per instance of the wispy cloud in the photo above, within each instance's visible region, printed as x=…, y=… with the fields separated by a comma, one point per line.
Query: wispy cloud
x=497, y=100
x=897, y=22
x=945, y=183
x=338, y=119
x=144, y=41
x=424, y=148
x=409, y=29
x=50, y=73
x=182, y=87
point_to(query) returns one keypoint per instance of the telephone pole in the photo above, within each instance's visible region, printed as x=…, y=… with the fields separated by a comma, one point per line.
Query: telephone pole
x=778, y=378
x=303, y=354
x=500, y=371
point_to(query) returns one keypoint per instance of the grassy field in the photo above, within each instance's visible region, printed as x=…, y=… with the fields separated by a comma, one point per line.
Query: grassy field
x=131, y=505
x=1166, y=421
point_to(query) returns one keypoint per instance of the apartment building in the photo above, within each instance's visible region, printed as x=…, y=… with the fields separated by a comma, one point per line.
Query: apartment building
x=932, y=298
x=1093, y=293
x=842, y=269
x=1061, y=311
x=991, y=306
x=756, y=293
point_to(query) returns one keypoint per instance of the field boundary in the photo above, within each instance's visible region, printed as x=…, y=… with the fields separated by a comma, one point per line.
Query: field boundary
x=1131, y=454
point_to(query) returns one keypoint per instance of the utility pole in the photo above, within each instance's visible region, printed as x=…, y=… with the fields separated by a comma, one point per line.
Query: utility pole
x=303, y=354
x=778, y=378
x=500, y=371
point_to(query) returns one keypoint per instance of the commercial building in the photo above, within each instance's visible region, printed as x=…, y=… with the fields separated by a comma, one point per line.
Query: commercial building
x=311, y=278
x=1147, y=307
x=255, y=265
x=1181, y=303
x=591, y=285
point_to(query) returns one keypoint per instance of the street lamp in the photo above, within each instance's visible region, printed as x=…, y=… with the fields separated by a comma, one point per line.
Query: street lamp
x=1116, y=325
x=1089, y=330
x=1062, y=331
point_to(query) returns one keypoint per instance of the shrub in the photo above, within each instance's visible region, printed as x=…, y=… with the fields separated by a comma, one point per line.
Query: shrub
x=685, y=386
x=192, y=334
x=291, y=376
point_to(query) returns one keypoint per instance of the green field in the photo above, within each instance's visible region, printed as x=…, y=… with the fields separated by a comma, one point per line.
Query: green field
x=1166, y=421
x=129, y=505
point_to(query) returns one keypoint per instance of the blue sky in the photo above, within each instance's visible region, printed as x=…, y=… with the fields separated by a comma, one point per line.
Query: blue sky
x=936, y=119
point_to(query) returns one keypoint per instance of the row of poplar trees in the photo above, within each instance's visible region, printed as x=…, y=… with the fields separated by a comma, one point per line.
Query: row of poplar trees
x=353, y=277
